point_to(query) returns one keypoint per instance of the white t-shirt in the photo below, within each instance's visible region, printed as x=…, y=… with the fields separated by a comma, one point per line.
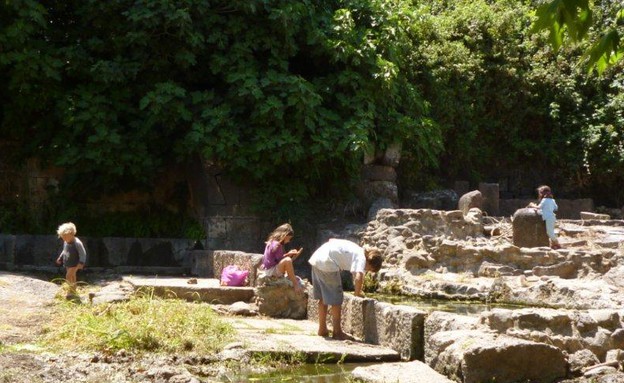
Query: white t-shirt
x=548, y=206
x=339, y=254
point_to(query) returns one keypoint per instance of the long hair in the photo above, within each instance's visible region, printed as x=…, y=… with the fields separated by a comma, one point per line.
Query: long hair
x=280, y=233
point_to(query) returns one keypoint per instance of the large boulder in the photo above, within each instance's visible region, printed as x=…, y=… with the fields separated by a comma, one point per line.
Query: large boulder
x=529, y=229
x=475, y=356
x=276, y=298
x=470, y=200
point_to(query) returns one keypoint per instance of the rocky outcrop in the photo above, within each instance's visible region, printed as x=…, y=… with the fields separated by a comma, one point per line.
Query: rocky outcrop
x=474, y=356
x=276, y=298
x=432, y=254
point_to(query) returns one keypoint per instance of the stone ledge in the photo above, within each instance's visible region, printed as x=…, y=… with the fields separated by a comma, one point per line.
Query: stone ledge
x=407, y=372
x=205, y=290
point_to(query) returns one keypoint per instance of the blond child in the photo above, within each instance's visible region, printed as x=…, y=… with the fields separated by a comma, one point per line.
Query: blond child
x=73, y=256
x=275, y=261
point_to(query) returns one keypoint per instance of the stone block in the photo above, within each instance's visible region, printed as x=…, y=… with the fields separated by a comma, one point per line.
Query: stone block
x=572, y=208
x=392, y=155
x=566, y=270
x=587, y=216
x=529, y=229
x=436, y=200
x=397, y=327
x=492, y=270
x=400, y=328
x=475, y=356
x=242, y=233
x=491, y=198
x=378, y=173
x=411, y=372
x=7, y=248
x=202, y=263
x=381, y=189
x=38, y=250
x=354, y=313
x=245, y=261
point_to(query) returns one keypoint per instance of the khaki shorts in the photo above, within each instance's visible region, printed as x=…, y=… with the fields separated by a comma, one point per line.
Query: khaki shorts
x=327, y=287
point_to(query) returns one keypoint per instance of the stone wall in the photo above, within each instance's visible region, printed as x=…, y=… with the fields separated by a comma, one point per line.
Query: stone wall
x=400, y=328
x=42, y=250
x=568, y=208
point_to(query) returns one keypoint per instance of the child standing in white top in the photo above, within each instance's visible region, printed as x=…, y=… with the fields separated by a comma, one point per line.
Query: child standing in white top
x=547, y=207
x=327, y=262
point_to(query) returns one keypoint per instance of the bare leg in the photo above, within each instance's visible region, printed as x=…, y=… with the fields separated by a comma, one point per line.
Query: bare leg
x=336, y=312
x=70, y=276
x=322, y=312
x=286, y=267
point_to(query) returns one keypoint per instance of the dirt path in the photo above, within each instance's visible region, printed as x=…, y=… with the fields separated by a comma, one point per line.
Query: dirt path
x=27, y=307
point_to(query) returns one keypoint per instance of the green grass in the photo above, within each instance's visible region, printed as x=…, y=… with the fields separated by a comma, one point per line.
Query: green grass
x=143, y=324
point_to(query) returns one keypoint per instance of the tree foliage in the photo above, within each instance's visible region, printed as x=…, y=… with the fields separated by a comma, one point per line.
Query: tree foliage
x=288, y=95
x=574, y=18
x=115, y=90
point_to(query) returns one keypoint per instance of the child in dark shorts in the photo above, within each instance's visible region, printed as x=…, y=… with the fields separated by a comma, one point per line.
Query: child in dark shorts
x=73, y=256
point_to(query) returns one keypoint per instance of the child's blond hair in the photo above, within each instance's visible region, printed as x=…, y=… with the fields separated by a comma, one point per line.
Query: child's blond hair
x=66, y=228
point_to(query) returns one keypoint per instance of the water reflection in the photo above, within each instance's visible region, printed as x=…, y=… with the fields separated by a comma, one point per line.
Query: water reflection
x=457, y=307
x=313, y=373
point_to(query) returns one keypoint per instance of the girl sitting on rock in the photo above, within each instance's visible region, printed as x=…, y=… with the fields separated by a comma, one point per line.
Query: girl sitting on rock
x=275, y=261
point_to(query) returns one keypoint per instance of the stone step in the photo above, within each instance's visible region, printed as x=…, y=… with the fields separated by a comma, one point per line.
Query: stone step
x=205, y=289
x=297, y=338
x=405, y=372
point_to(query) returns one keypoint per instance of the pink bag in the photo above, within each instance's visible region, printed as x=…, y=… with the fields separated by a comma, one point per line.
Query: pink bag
x=233, y=276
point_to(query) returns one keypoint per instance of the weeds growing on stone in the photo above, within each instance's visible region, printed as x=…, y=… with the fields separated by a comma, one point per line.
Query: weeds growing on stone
x=278, y=360
x=371, y=283
x=144, y=323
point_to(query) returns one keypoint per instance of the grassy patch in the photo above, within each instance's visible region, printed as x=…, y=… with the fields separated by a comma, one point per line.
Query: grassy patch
x=145, y=323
